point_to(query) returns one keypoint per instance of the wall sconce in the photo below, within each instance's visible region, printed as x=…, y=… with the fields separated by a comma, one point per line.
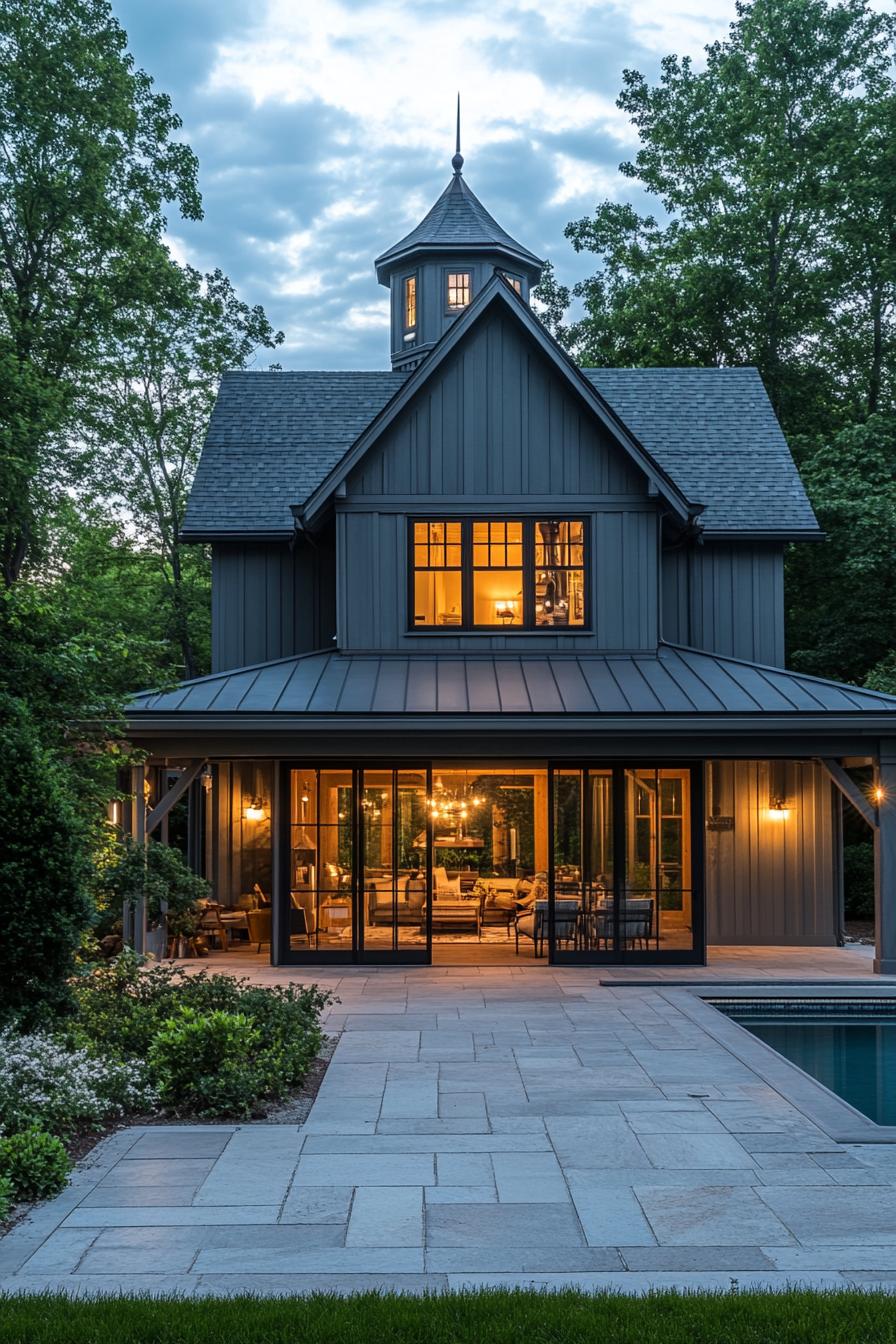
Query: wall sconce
x=877, y=795
x=205, y=780
x=255, y=809
x=780, y=788
x=113, y=812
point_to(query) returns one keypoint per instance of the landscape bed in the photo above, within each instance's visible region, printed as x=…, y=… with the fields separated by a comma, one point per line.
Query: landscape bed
x=485, y=1317
x=847, y=1044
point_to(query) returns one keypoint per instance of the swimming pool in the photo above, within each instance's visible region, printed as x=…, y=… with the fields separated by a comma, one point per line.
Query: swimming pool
x=847, y=1044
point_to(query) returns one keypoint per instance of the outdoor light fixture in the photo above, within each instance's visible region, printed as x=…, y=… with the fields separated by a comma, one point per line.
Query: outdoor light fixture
x=255, y=809
x=878, y=794
x=778, y=809
x=114, y=814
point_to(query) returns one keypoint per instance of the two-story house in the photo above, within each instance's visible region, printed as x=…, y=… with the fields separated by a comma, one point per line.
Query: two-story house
x=498, y=650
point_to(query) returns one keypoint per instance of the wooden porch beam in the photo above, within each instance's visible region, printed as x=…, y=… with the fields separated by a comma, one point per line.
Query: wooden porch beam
x=851, y=791
x=174, y=794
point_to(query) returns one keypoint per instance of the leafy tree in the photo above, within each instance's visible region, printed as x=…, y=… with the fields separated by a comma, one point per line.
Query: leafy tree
x=89, y=161
x=777, y=248
x=150, y=404
x=841, y=594
x=44, y=900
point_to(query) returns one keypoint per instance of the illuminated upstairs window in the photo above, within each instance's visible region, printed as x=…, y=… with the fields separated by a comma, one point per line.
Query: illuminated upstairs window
x=460, y=290
x=410, y=303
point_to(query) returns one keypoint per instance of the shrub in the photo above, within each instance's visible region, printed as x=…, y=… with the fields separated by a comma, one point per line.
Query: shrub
x=7, y=1197
x=207, y=1064
x=44, y=867
x=122, y=1008
x=35, y=1162
x=161, y=875
x=858, y=881
x=63, y=1087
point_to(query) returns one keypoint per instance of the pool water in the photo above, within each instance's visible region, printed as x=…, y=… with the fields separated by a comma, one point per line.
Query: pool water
x=849, y=1045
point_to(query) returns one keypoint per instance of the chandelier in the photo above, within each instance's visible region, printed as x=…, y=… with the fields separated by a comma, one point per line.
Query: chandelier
x=452, y=805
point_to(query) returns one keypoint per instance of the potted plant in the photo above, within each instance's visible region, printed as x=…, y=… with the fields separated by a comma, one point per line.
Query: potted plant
x=171, y=890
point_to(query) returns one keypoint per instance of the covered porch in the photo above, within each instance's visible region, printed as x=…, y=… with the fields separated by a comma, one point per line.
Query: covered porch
x=358, y=808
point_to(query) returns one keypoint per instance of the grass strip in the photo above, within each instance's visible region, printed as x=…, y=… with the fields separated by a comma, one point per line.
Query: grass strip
x=490, y=1316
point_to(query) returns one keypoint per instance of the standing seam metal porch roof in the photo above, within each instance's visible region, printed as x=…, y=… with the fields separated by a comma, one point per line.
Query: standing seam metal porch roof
x=675, y=680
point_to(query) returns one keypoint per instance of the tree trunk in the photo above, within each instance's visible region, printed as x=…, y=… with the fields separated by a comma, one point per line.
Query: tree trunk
x=181, y=621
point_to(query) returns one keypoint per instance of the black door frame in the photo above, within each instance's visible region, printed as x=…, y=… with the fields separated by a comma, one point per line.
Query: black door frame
x=694, y=956
x=355, y=954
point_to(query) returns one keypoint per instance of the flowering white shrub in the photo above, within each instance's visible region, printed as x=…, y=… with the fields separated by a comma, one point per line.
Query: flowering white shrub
x=44, y=1080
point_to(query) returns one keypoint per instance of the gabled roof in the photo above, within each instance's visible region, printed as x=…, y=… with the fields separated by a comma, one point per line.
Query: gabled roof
x=457, y=220
x=498, y=293
x=275, y=437
x=674, y=681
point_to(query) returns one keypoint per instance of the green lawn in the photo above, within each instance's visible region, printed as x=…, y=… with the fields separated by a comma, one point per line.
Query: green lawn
x=491, y=1317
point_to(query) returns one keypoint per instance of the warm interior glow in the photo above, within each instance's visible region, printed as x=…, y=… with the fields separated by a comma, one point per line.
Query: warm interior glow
x=460, y=289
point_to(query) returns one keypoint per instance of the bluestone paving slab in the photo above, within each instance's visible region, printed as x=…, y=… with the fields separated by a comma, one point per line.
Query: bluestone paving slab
x=159, y=1171
x=609, y=1215
x=386, y=1216
x=460, y=1194
x=317, y=1204
x=695, y=1151
x=835, y=1215
x=522, y=1260
x=502, y=1225
x=159, y=1216
x=123, y=1196
x=336, y=1259
x=710, y=1216
x=465, y=1168
x=162, y=1143
x=367, y=1169
x=595, y=1141
x=687, y=1259
x=61, y=1252
x=298, y=1285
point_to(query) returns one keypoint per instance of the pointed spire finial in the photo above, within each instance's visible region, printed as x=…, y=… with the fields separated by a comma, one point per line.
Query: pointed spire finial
x=458, y=161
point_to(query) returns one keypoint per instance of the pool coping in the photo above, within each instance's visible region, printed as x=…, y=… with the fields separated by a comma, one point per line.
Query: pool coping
x=837, y=1118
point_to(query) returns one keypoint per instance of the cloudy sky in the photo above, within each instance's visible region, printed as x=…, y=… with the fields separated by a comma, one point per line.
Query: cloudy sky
x=324, y=130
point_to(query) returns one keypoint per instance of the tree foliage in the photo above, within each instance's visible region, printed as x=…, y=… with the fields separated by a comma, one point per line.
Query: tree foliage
x=148, y=407
x=841, y=593
x=90, y=159
x=44, y=863
x=776, y=246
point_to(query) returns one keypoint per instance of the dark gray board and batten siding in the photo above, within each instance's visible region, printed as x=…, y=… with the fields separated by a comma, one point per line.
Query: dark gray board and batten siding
x=271, y=600
x=772, y=881
x=726, y=598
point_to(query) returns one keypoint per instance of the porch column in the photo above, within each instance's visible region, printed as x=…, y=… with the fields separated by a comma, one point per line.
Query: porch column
x=885, y=863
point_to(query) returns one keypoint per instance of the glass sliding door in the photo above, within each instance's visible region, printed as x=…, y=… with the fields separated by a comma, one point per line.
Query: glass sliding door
x=394, y=880
x=320, y=914
x=626, y=874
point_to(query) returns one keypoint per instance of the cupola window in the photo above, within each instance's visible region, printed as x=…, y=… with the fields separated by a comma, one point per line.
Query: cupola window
x=460, y=290
x=514, y=282
x=410, y=303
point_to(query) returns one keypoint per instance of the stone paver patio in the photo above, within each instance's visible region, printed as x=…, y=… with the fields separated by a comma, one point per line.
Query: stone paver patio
x=510, y=1126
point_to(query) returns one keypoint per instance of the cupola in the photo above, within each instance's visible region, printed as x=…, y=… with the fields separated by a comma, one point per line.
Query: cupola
x=437, y=270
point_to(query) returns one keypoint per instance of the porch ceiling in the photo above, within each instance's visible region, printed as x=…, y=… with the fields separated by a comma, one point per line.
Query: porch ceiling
x=677, y=683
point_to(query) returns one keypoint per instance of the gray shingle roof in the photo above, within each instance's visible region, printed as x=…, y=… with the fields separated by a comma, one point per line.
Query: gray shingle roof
x=458, y=219
x=715, y=433
x=674, y=681
x=274, y=437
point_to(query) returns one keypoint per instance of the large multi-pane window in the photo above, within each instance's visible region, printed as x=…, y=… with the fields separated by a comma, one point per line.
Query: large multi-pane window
x=498, y=573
